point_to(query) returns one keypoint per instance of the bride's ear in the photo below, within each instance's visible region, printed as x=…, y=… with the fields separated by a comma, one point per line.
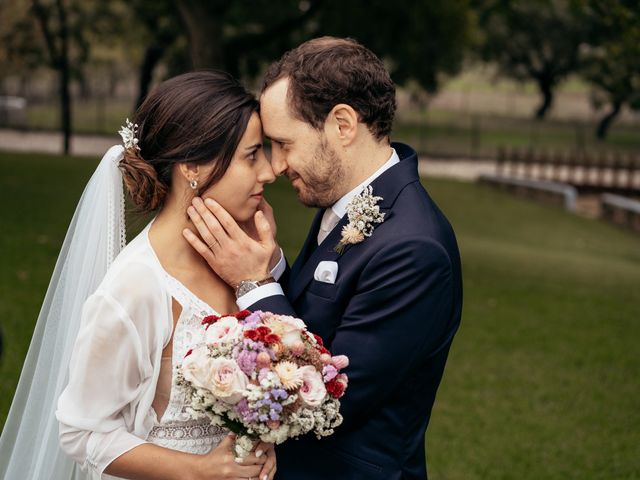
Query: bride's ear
x=189, y=171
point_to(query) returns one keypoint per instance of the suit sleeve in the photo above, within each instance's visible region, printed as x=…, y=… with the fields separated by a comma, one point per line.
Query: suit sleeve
x=400, y=314
x=281, y=274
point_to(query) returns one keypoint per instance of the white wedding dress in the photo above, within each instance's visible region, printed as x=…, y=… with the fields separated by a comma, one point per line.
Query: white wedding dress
x=175, y=429
x=94, y=379
x=121, y=391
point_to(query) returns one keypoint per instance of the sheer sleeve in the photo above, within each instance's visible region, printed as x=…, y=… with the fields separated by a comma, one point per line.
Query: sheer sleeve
x=111, y=369
x=105, y=375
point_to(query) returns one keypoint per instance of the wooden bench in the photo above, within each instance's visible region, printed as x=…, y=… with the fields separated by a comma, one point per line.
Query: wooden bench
x=621, y=210
x=543, y=190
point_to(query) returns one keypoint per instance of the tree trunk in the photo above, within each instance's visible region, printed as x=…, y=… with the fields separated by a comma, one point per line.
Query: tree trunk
x=605, y=123
x=152, y=56
x=63, y=65
x=205, y=33
x=546, y=88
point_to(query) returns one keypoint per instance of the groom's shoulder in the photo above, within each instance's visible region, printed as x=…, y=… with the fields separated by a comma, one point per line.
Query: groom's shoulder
x=415, y=214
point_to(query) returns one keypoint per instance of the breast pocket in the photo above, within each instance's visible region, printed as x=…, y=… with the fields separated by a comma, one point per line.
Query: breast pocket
x=322, y=289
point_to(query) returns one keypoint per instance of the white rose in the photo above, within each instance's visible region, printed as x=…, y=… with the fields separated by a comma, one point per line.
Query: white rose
x=227, y=381
x=312, y=391
x=287, y=328
x=225, y=330
x=196, y=367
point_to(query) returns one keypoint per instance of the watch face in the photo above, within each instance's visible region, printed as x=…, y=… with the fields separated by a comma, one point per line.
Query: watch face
x=245, y=287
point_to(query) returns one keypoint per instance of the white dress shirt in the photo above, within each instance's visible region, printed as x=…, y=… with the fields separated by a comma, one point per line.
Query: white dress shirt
x=339, y=209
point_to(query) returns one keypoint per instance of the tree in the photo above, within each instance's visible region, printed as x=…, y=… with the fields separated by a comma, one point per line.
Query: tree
x=53, y=22
x=533, y=39
x=20, y=53
x=162, y=28
x=421, y=41
x=241, y=37
x=612, y=60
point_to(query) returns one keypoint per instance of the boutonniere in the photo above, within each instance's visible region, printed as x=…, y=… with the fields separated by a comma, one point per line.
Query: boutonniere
x=364, y=214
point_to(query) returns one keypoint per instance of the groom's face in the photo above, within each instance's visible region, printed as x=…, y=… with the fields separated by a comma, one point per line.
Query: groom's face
x=300, y=151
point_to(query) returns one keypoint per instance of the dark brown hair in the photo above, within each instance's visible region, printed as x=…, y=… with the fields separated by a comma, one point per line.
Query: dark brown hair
x=196, y=117
x=326, y=71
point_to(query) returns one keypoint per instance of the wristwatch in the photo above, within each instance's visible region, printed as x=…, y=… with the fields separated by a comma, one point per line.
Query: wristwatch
x=245, y=286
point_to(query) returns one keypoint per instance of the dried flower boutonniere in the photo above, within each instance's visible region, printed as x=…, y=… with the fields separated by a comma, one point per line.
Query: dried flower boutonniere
x=364, y=213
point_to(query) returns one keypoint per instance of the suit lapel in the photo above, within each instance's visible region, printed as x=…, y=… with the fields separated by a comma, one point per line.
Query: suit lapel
x=388, y=186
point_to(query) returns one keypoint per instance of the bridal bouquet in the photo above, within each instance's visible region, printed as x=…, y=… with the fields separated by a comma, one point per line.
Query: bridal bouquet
x=264, y=377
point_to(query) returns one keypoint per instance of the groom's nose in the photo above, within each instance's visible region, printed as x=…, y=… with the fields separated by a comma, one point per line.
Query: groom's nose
x=279, y=164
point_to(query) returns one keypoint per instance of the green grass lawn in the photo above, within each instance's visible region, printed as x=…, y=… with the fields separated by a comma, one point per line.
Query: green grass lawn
x=542, y=380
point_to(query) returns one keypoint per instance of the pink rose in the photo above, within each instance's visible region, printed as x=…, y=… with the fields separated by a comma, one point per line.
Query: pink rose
x=298, y=348
x=329, y=372
x=312, y=392
x=227, y=381
x=225, y=330
x=196, y=367
x=340, y=361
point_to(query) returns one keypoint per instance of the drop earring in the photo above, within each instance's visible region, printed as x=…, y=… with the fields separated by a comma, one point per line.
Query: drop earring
x=193, y=184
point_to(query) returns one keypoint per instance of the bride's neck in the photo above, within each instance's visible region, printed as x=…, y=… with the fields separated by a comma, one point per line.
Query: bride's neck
x=166, y=237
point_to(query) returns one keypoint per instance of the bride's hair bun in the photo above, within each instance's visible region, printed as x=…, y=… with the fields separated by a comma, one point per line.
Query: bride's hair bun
x=141, y=180
x=196, y=118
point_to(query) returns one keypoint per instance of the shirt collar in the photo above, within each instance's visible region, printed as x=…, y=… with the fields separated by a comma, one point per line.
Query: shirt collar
x=340, y=207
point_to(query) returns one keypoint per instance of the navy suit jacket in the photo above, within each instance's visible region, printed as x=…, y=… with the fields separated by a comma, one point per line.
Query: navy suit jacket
x=393, y=310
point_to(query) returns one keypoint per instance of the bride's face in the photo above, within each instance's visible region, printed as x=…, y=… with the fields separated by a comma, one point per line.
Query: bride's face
x=241, y=188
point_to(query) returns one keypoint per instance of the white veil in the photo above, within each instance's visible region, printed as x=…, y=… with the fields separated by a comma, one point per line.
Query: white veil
x=29, y=446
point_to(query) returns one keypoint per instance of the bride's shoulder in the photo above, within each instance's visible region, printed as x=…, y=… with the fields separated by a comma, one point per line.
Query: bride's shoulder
x=135, y=274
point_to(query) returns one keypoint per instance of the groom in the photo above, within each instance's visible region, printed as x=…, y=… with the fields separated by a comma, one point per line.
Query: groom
x=386, y=292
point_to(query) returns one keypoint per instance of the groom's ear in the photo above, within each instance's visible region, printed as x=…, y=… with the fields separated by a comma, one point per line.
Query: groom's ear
x=342, y=121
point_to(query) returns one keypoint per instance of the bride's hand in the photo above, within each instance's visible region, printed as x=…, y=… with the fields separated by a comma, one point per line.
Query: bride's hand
x=220, y=464
x=269, y=468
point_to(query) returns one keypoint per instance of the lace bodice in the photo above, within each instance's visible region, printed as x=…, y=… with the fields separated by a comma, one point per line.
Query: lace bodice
x=175, y=429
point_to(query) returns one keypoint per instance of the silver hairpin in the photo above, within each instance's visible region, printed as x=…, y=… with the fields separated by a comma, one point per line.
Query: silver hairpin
x=128, y=134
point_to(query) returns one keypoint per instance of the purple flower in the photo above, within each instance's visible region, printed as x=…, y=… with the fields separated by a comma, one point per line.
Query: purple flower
x=279, y=394
x=263, y=418
x=254, y=319
x=242, y=407
x=246, y=360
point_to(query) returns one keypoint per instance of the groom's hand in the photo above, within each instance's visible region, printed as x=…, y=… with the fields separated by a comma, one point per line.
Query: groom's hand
x=232, y=253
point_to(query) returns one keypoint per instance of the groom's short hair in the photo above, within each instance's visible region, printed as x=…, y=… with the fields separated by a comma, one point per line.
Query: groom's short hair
x=326, y=71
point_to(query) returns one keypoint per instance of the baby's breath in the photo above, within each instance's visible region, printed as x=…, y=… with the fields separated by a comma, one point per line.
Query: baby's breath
x=364, y=214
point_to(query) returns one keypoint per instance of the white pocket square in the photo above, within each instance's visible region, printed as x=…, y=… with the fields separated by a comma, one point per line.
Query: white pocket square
x=326, y=272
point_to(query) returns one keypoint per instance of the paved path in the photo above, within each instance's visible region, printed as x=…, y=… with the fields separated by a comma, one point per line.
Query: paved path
x=51, y=142
x=94, y=145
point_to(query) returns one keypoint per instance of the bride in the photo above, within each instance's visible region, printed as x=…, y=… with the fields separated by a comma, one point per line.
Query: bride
x=135, y=312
